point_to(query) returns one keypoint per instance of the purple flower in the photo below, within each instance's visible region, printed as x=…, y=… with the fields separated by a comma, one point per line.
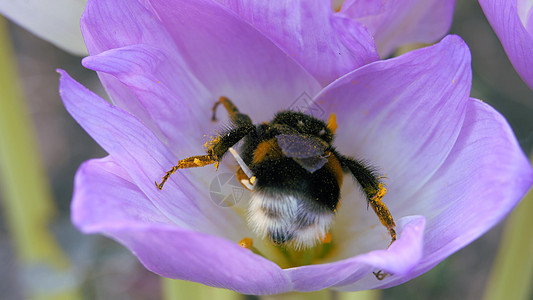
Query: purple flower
x=343, y=46
x=396, y=23
x=512, y=20
x=453, y=166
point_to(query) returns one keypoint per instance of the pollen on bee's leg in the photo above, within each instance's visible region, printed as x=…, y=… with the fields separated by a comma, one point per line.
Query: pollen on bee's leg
x=190, y=162
x=382, y=211
x=210, y=144
x=381, y=191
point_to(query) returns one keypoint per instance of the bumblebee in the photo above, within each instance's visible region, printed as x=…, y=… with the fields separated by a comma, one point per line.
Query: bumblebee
x=295, y=174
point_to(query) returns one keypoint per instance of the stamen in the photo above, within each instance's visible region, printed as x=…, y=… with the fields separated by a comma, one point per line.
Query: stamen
x=326, y=239
x=332, y=122
x=247, y=184
x=247, y=243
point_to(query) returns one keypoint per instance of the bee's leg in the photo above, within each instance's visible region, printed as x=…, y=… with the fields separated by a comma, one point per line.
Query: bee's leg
x=373, y=189
x=380, y=275
x=381, y=210
x=190, y=162
x=230, y=107
x=234, y=113
x=216, y=148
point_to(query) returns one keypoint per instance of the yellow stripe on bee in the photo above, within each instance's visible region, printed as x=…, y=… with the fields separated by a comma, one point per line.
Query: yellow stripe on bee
x=334, y=166
x=267, y=150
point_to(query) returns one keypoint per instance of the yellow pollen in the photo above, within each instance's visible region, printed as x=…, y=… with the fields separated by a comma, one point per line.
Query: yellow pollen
x=252, y=179
x=246, y=243
x=212, y=142
x=381, y=192
x=197, y=161
x=327, y=238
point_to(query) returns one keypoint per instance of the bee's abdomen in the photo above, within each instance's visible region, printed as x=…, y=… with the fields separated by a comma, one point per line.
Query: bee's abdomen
x=287, y=218
x=285, y=176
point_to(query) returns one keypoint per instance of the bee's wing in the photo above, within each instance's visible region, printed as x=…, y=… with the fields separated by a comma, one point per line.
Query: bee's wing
x=306, y=150
x=301, y=146
x=312, y=164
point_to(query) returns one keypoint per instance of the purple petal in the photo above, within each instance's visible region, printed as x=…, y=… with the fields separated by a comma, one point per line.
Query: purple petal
x=343, y=44
x=144, y=158
x=107, y=202
x=395, y=23
x=447, y=157
x=399, y=259
x=181, y=254
x=228, y=56
x=525, y=9
x=484, y=177
x=105, y=197
x=403, y=115
x=232, y=58
x=516, y=35
x=163, y=89
x=142, y=70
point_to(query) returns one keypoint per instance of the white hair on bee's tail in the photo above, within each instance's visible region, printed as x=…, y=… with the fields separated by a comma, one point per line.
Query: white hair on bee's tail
x=280, y=212
x=313, y=234
x=259, y=219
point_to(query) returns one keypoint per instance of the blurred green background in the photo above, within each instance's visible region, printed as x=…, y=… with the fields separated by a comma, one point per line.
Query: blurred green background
x=105, y=270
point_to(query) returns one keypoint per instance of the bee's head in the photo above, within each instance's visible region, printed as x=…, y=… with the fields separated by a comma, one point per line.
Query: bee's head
x=305, y=124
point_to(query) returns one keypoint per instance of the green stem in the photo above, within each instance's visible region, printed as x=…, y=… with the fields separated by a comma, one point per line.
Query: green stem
x=512, y=273
x=25, y=190
x=326, y=295
x=318, y=295
x=180, y=289
x=362, y=295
